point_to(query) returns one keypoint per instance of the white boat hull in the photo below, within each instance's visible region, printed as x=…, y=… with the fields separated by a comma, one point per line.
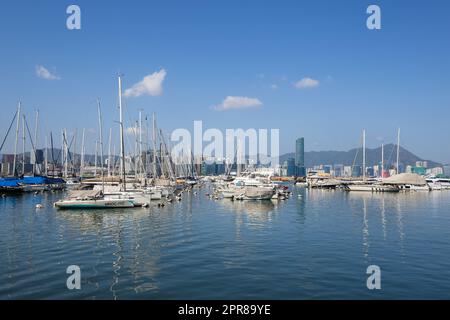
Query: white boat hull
x=94, y=204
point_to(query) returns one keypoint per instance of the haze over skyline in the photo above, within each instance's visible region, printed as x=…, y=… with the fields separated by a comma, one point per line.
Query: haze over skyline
x=312, y=70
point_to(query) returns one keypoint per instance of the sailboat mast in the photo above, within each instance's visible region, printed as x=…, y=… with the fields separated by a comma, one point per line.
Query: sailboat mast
x=398, y=150
x=23, y=145
x=100, y=126
x=17, y=138
x=140, y=145
x=364, y=154
x=122, y=143
x=109, y=152
x=66, y=155
x=82, y=155
x=154, y=146
x=74, y=153
x=35, y=141
x=46, y=156
x=95, y=158
x=382, y=160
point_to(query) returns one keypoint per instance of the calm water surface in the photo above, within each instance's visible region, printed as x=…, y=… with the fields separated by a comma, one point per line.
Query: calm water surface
x=316, y=245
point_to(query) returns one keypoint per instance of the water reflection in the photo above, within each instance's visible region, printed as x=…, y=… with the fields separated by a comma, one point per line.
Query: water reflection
x=200, y=247
x=135, y=242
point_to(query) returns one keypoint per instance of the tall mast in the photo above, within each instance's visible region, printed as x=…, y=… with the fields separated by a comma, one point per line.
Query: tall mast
x=140, y=144
x=74, y=153
x=63, y=153
x=23, y=145
x=35, y=141
x=398, y=150
x=100, y=125
x=114, y=161
x=109, y=152
x=82, y=155
x=136, y=142
x=95, y=158
x=122, y=144
x=17, y=138
x=364, y=154
x=46, y=156
x=382, y=160
x=66, y=155
x=154, y=146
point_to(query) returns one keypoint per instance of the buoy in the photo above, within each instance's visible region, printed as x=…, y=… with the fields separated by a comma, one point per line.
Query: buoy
x=39, y=206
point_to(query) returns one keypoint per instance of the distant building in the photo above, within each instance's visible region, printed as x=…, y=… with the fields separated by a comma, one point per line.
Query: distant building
x=338, y=170
x=435, y=171
x=347, y=171
x=419, y=170
x=423, y=164
x=356, y=171
x=290, y=167
x=8, y=158
x=446, y=169
x=38, y=157
x=300, y=157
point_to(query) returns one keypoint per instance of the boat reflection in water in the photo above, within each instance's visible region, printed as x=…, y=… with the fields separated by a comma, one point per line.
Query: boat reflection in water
x=126, y=241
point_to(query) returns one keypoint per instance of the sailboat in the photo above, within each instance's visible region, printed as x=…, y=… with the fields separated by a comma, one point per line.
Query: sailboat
x=93, y=199
x=369, y=186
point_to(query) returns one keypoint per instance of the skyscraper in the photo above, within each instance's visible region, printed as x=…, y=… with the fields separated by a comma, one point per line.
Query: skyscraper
x=290, y=167
x=300, y=157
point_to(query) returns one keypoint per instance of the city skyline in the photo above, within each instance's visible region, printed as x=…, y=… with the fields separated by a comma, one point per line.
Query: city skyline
x=313, y=73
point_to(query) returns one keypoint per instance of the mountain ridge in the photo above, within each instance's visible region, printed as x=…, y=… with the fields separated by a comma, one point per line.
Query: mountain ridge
x=354, y=156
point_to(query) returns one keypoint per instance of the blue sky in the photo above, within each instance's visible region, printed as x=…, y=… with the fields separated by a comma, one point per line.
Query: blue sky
x=378, y=80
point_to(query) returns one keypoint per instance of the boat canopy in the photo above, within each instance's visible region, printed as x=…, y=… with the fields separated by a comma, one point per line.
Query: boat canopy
x=9, y=182
x=406, y=178
x=40, y=180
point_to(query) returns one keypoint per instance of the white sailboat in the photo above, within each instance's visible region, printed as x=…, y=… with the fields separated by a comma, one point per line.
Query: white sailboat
x=97, y=198
x=367, y=186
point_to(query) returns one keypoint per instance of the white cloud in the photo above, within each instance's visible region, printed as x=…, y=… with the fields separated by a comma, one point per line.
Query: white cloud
x=307, y=83
x=274, y=86
x=231, y=102
x=132, y=131
x=151, y=85
x=44, y=73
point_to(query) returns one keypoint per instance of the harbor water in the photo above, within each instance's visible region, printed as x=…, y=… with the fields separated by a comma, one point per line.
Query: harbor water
x=316, y=245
